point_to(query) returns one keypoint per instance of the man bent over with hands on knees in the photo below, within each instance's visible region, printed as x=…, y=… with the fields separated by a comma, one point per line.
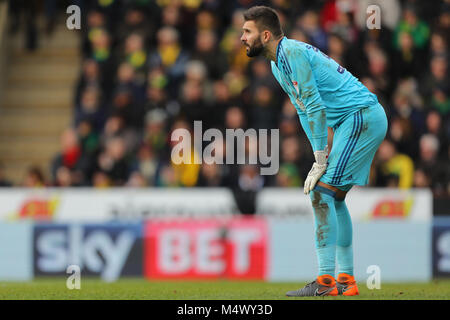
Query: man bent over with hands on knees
x=325, y=95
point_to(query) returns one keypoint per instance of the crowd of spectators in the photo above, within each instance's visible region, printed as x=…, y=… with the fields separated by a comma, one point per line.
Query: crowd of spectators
x=152, y=66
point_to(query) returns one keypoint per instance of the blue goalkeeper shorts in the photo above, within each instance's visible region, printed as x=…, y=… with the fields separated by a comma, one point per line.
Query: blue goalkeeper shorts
x=355, y=142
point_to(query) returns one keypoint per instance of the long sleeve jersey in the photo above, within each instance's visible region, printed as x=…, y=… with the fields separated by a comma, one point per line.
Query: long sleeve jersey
x=323, y=92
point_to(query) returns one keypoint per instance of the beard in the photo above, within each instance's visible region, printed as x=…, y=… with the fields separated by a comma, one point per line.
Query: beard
x=256, y=49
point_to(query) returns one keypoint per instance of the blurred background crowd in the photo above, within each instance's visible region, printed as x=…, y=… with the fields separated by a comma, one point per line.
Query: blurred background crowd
x=152, y=66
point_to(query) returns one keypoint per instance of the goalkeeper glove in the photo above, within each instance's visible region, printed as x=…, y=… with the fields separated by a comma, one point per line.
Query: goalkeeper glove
x=318, y=169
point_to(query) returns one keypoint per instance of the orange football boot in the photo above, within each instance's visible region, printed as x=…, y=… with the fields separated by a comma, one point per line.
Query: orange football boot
x=346, y=285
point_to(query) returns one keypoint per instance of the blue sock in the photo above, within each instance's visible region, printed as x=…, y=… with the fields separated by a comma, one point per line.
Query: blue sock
x=344, y=248
x=325, y=229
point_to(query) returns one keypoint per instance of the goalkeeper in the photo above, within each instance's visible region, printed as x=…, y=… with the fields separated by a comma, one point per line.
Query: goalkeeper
x=325, y=95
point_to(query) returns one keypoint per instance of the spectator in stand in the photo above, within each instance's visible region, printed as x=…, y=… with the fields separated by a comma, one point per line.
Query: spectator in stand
x=299, y=35
x=378, y=69
x=235, y=118
x=408, y=104
x=193, y=104
x=128, y=98
x=138, y=20
x=444, y=16
x=90, y=108
x=95, y=20
x=232, y=31
x=136, y=180
x=172, y=16
x=157, y=94
x=123, y=104
x=116, y=127
x=401, y=132
x=369, y=40
x=382, y=98
x=344, y=26
x=336, y=49
x=395, y=170
x=206, y=20
x=128, y=78
x=34, y=178
x=293, y=152
x=135, y=55
x=422, y=179
x=289, y=124
x=101, y=180
x=90, y=77
x=288, y=176
x=429, y=161
x=196, y=72
x=113, y=161
x=237, y=81
x=438, y=44
x=185, y=173
x=89, y=140
x=167, y=177
x=264, y=108
x=414, y=26
x=211, y=175
x=102, y=52
x=146, y=164
x=308, y=23
x=70, y=157
x=170, y=55
x=63, y=177
x=207, y=51
x=435, y=126
x=407, y=59
x=435, y=85
x=155, y=131
x=232, y=46
x=261, y=74
x=222, y=100
x=249, y=182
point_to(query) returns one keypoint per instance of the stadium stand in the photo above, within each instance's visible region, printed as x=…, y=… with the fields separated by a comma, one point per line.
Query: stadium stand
x=148, y=67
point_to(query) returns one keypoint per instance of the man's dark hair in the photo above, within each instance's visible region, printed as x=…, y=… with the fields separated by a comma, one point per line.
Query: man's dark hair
x=265, y=19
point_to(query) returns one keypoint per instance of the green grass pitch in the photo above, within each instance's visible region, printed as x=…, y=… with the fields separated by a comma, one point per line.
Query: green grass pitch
x=140, y=289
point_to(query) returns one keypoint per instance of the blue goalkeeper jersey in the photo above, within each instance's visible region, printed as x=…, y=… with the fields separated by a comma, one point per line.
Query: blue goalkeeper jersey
x=323, y=92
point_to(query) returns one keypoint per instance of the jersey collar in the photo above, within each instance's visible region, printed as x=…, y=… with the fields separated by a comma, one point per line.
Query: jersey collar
x=278, y=49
